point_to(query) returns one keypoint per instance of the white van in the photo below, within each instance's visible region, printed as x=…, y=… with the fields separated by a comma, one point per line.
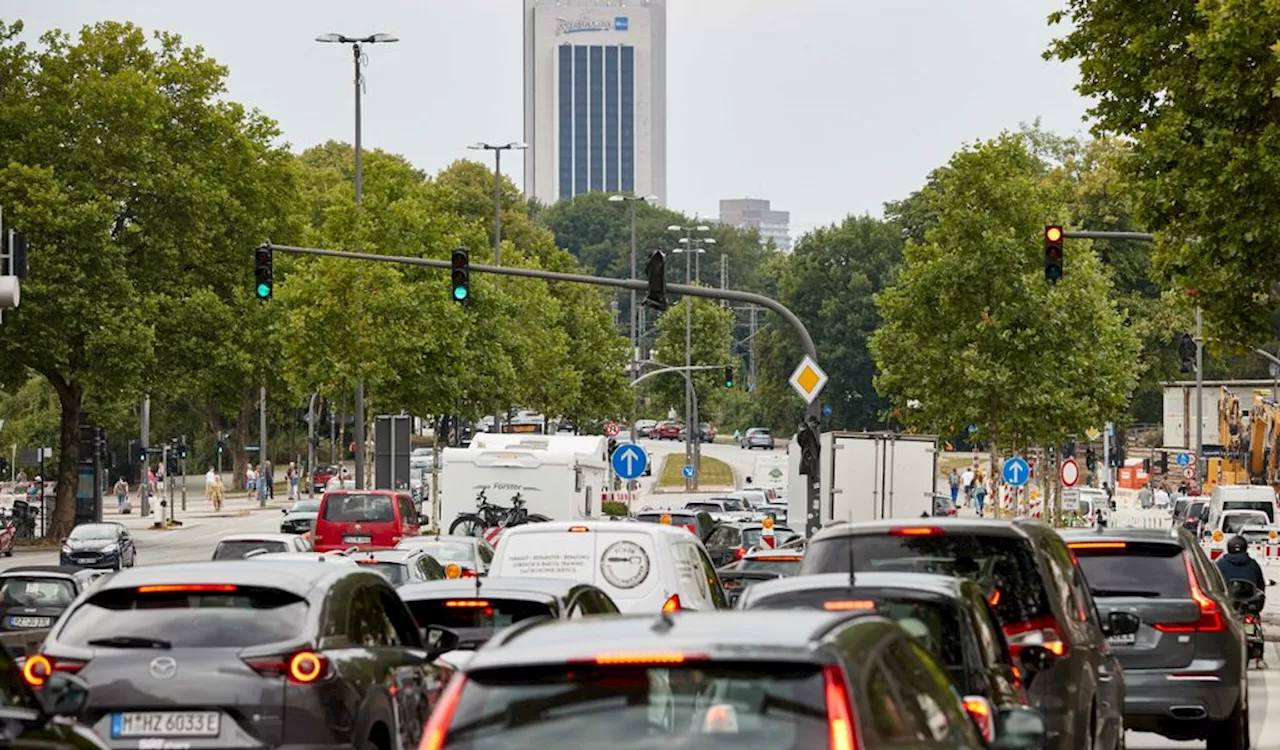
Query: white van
x=1240, y=497
x=643, y=567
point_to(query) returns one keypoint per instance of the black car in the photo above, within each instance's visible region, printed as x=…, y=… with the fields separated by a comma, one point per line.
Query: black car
x=401, y=566
x=44, y=720
x=1164, y=578
x=1040, y=598
x=35, y=596
x=730, y=541
x=476, y=612
x=744, y=680
x=950, y=616
x=244, y=653
x=99, y=545
x=698, y=522
x=300, y=517
x=1195, y=516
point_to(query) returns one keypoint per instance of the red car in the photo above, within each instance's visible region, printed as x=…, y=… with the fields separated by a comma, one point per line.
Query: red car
x=669, y=431
x=320, y=479
x=366, y=519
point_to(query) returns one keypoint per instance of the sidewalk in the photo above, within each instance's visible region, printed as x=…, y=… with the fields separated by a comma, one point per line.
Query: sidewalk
x=198, y=510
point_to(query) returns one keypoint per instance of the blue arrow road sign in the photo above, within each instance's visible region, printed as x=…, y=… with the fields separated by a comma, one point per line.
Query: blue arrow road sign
x=1183, y=459
x=689, y=472
x=1016, y=471
x=629, y=461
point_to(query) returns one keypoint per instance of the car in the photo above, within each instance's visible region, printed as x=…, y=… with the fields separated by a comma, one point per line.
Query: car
x=722, y=508
x=477, y=608
x=366, y=519
x=643, y=567
x=237, y=546
x=247, y=653
x=461, y=556
x=44, y=719
x=1040, y=597
x=99, y=545
x=668, y=431
x=706, y=433
x=746, y=680
x=1185, y=670
x=35, y=596
x=400, y=566
x=949, y=616
x=422, y=458
x=320, y=479
x=1196, y=516
x=782, y=562
x=731, y=540
x=698, y=522
x=331, y=558
x=1253, y=525
x=299, y=517
x=646, y=428
x=756, y=437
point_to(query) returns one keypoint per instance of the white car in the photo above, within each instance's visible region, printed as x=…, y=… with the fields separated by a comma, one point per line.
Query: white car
x=1253, y=525
x=304, y=557
x=239, y=546
x=725, y=508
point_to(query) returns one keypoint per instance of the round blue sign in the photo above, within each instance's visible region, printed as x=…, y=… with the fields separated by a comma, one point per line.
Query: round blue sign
x=629, y=461
x=1016, y=471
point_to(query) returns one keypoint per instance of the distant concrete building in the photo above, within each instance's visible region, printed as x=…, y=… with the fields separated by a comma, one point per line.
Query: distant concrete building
x=755, y=213
x=595, y=97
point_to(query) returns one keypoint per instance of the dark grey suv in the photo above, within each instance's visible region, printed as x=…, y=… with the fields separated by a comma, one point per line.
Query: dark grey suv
x=247, y=654
x=1040, y=598
x=1185, y=668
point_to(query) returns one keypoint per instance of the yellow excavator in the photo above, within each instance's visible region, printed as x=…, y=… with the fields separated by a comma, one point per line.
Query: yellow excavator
x=1250, y=447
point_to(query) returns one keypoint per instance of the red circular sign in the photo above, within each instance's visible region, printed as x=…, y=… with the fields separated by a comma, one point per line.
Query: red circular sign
x=612, y=429
x=1070, y=473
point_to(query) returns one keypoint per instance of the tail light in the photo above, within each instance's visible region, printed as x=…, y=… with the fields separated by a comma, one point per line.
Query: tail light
x=1042, y=631
x=37, y=668
x=437, y=729
x=842, y=731
x=672, y=604
x=1210, y=620
x=302, y=668
x=980, y=709
x=1248, y=619
x=692, y=529
x=739, y=552
x=466, y=573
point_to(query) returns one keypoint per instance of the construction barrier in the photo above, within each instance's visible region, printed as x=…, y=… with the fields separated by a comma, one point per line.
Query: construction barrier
x=1141, y=518
x=1265, y=552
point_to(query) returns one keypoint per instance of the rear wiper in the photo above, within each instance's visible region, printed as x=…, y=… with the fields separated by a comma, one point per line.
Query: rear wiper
x=1104, y=593
x=131, y=641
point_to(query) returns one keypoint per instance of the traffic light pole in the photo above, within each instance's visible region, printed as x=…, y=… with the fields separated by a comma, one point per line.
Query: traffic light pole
x=813, y=411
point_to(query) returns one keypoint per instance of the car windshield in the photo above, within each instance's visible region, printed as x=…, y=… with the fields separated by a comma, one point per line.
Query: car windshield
x=395, y=572
x=1234, y=523
x=1006, y=564
x=787, y=566
x=1146, y=570
x=194, y=618
x=236, y=549
x=781, y=535
x=447, y=552
x=94, y=532
x=21, y=591
x=353, y=508
x=1195, y=510
x=306, y=506
x=489, y=612
x=718, y=705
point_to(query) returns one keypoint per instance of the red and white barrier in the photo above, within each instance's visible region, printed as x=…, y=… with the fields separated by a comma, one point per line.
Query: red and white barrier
x=767, y=538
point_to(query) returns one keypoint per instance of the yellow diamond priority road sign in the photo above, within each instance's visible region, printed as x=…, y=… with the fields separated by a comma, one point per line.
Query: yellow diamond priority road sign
x=808, y=379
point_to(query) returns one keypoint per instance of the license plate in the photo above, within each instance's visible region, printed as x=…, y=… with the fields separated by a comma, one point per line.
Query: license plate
x=30, y=622
x=87, y=559
x=166, y=724
x=357, y=539
x=1122, y=640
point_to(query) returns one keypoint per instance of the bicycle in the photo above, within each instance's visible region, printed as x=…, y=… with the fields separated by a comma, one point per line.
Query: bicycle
x=489, y=515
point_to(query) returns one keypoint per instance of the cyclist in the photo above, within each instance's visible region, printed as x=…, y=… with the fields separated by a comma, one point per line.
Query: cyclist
x=1237, y=564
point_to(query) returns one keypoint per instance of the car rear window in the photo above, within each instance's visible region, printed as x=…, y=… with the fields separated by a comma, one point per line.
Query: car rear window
x=1147, y=570
x=787, y=566
x=237, y=549
x=677, y=519
x=475, y=613
x=395, y=572
x=731, y=503
x=19, y=591
x=359, y=509
x=702, y=705
x=194, y=616
x=447, y=552
x=708, y=507
x=1263, y=505
x=1234, y=523
x=750, y=537
x=1004, y=564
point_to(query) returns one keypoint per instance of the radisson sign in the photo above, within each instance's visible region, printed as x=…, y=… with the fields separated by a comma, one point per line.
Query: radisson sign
x=584, y=24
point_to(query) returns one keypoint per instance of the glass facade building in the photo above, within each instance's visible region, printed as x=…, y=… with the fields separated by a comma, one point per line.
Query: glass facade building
x=596, y=104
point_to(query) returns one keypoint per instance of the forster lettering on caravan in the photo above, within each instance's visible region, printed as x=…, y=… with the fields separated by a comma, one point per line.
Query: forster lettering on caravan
x=566, y=26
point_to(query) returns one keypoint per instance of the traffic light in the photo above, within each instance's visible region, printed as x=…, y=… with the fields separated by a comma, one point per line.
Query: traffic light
x=656, y=271
x=461, y=275
x=1091, y=459
x=1187, y=353
x=262, y=273
x=1053, y=253
x=137, y=453
x=807, y=438
x=182, y=448
x=728, y=376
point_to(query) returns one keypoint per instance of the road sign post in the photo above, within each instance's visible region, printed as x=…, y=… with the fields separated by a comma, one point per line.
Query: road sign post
x=629, y=461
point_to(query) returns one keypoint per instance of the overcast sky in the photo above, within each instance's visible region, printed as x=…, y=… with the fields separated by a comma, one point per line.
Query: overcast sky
x=825, y=107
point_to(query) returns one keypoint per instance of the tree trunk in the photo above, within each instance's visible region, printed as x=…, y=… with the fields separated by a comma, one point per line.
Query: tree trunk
x=240, y=436
x=70, y=397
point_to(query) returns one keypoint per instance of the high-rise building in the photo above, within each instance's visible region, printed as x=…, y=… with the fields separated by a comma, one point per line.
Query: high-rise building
x=595, y=97
x=755, y=213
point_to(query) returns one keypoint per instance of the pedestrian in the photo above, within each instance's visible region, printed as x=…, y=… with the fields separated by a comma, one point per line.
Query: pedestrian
x=1162, y=499
x=122, y=494
x=152, y=488
x=208, y=480
x=1145, y=496
x=980, y=492
x=215, y=492
x=966, y=481
x=250, y=481
x=954, y=479
x=292, y=476
x=268, y=481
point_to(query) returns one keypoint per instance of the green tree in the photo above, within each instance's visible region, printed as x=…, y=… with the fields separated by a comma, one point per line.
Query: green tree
x=710, y=328
x=1194, y=86
x=134, y=181
x=972, y=332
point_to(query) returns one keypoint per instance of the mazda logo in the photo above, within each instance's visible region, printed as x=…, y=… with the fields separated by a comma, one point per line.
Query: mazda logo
x=163, y=667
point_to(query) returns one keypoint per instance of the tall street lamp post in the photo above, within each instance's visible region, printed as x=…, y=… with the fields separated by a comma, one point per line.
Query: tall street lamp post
x=358, y=58
x=635, y=314
x=689, y=484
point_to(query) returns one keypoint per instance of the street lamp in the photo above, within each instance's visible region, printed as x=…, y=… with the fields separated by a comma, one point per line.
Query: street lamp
x=697, y=243
x=635, y=314
x=691, y=453
x=497, y=212
x=358, y=58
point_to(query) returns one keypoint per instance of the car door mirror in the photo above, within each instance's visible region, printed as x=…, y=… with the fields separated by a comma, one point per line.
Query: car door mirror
x=1270, y=582
x=1019, y=728
x=1122, y=623
x=1034, y=659
x=284, y=511
x=64, y=695
x=439, y=640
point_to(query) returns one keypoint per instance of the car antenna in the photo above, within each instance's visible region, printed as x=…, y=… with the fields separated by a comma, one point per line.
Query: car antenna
x=852, y=582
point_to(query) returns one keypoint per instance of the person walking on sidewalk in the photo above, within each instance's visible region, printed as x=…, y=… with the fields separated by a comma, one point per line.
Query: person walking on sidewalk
x=954, y=479
x=268, y=481
x=292, y=477
x=215, y=492
x=980, y=492
x=122, y=494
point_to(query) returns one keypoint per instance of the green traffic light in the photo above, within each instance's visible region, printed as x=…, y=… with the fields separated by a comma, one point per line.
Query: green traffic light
x=264, y=291
x=728, y=384
x=460, y=293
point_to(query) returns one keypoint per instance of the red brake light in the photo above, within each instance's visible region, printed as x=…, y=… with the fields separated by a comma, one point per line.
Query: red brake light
x=672, y=604
x=848, y=606
x=1041, y=631
x=995, y=597
x=1210, y=620
x=915, y=531
x=301, y=668
x=467, y=603
x=739, y=552
x=980, y=709
x=1097, y=545
x=37, y=668
x=843, y=732
x=625, y=658
x=169, y=588
x=437, y=728
x=468, y=573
